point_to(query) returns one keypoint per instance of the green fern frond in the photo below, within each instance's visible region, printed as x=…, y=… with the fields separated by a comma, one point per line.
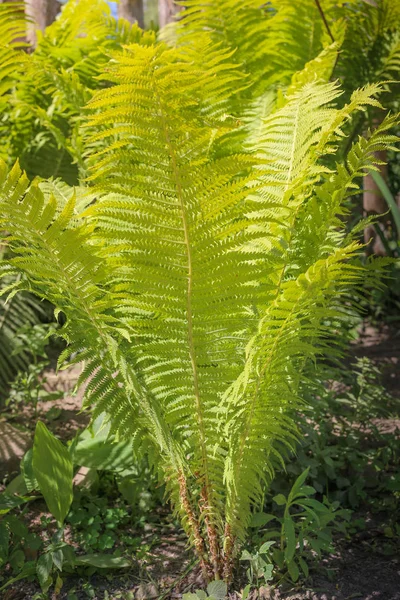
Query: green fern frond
x=13, y=24
x=54, y=84
x=66, y=257
x=172, y=228
x=63, y=193
x=291, y=332
x=371, y=47
x=318, y=69
x=307, y=251
x=21, y=310
x=271, y=42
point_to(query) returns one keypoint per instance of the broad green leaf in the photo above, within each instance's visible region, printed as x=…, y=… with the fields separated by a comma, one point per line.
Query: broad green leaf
x=128, y=487
x=268, y=571
x=306, y=490
x=28, y=570
x=57, y=586
x=16, y=526
x=16, y=486
x=98, y=452
x=43, y=570
x=7, y=502
x=102, y=561
x=290, y=535
x=17, y=560
x=219, y=589
x=190, y=596
x=27, y=471
x=314, y=504
x=304, y=566
x=265, y=547
x=298, y=483
x=311, y=513
x=58, y=559
x=280, y=499
x=293, y=571
x=279, y=558
x=246, y=591
x=201, y=594
x=315, y=545
x=272, y=533
x=260, y=519
x=53, y=469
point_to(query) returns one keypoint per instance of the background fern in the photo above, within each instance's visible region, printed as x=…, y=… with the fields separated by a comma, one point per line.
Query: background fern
x=49, y=90
x=21, y=310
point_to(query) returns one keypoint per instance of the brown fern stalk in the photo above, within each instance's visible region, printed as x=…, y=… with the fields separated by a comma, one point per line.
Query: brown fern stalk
x=212, y=535
x=194, y=526
x=228, y=554
x=324, y=19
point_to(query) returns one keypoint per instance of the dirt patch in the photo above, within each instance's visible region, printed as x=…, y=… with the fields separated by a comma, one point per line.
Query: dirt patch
x=17, y=428
x=13, y=445
x=382, y=345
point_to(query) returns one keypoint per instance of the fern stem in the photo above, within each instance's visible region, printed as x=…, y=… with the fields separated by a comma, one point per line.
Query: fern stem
x=194, y=527
x=293, y=148
x=229, y=545
x=323, y=17
x=212, y=536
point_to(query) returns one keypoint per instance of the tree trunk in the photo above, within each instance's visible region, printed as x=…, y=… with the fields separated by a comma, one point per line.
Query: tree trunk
x=375, y=204
x=373, y=201
x=167, y=9
x=132, y=11
x=42, y=13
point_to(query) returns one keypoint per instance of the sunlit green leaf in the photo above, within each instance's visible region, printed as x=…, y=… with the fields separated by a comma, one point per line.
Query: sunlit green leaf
x=53, y=469
x=218, y=589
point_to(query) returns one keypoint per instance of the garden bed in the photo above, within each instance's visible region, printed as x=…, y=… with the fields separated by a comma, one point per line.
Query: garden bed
x=365, y=564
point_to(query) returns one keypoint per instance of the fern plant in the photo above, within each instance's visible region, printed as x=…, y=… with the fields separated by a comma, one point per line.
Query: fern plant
x=201, y=283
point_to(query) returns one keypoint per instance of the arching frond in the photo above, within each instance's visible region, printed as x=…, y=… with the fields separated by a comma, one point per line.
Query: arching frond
x=271, y=41
x=12, y=24
x=314, y=275
x=176, y=221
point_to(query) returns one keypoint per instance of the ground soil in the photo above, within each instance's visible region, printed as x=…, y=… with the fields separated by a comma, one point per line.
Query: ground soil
x=17, y=428
x=362, y=568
